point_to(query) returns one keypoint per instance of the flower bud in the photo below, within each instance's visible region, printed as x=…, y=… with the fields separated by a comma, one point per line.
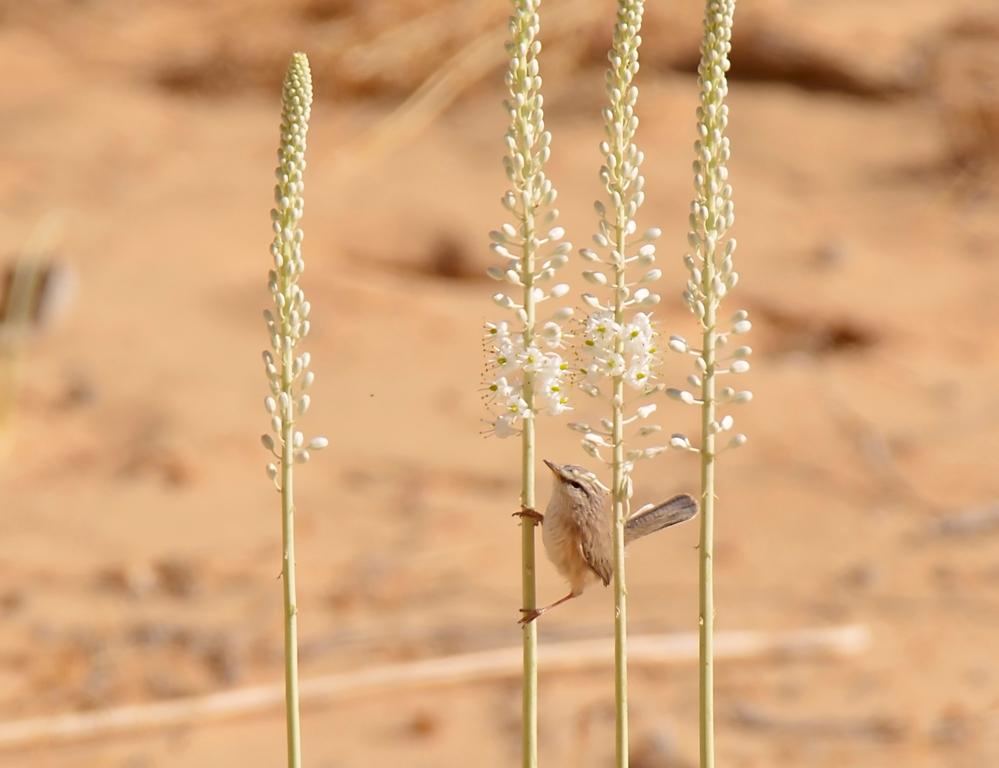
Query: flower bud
x=737, y=441
x=679, y=441
x=597, y=278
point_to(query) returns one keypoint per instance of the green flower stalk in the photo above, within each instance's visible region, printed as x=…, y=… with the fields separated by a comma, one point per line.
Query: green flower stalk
x=619, y=341
x=526, y=374
x=287, y=367
x=712, y=276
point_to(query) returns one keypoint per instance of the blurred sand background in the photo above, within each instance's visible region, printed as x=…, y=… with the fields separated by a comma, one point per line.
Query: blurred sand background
x=139, y=533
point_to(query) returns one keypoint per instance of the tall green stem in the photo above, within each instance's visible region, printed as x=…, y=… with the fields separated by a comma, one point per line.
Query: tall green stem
x=529, y=376
x=293, y=726
x=620, y=492
x=529, y=752
x=706, y=581
x=623, y=182
x=712, y=276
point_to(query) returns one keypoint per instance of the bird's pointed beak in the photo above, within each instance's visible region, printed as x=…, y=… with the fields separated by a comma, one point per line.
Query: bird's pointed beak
x=552, y=466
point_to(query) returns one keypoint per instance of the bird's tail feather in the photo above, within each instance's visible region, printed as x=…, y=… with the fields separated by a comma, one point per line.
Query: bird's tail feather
x=677, y=510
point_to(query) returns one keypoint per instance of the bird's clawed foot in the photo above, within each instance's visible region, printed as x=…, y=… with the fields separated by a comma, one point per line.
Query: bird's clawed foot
x=530, y=514
x=529, y=615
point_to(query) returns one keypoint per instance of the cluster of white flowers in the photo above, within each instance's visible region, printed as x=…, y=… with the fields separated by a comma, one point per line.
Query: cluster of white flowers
x=604, y=337
x=287, y=369
x=511, y=360
x=526, y=372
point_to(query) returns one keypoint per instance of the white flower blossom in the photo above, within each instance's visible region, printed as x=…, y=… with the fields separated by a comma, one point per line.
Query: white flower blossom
x=505, y=426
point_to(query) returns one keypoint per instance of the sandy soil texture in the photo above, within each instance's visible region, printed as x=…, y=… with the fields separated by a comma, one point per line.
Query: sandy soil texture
x=140, y=539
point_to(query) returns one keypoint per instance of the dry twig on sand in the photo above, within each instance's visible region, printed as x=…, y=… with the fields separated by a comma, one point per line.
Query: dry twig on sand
x=472, y=668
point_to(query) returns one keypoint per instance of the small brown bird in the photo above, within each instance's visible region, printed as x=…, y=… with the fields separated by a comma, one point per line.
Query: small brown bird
x=578, y=530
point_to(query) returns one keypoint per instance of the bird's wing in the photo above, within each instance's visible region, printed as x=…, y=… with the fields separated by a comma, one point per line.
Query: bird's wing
x=676, y=510
x=595, y=546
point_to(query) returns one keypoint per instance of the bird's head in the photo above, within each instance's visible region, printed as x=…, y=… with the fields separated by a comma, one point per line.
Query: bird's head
x=577, y=485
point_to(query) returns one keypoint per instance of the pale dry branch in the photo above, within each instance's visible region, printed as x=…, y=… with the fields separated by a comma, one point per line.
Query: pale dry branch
x=472, y=668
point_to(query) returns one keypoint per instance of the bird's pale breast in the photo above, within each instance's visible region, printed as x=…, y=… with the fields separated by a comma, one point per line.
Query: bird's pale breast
x=561, y=537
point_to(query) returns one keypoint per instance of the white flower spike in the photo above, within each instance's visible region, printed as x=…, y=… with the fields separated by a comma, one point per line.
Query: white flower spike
x=527, y=359
x=620, y=343
x=711, y=277
x=526, y=373
x=286, y=366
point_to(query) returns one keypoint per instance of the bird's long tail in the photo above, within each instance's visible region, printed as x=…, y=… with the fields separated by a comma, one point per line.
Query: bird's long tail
x=677, y=510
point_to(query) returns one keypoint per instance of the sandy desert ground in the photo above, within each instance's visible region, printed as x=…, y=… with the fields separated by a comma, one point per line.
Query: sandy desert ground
x=139, y=538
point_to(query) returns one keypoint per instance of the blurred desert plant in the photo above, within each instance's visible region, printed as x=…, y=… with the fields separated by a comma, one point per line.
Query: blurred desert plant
x=619, y=344
x=34, y=288
x=526, y=373
x=288, y=373
x=712, y=276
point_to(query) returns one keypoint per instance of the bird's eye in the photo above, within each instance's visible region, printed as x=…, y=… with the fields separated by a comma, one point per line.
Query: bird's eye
x=576, y=485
